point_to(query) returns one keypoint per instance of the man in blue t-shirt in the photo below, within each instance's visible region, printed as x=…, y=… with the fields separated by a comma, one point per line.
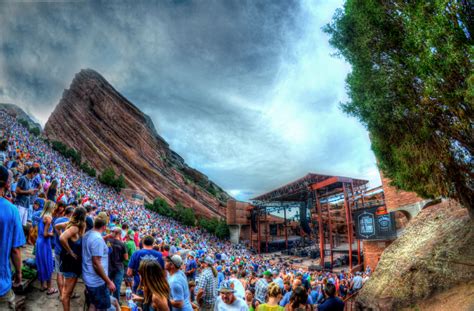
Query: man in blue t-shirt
x=191, y=267
x=24, y=192
x=95, y=265
x=179, y=290
x=147, y=253
x=11, y=239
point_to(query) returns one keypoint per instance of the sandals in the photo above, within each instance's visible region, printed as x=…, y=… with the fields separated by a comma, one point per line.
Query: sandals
x=54, y=291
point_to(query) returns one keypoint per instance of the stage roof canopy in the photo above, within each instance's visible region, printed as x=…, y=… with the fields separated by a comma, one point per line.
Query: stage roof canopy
x=295, y=190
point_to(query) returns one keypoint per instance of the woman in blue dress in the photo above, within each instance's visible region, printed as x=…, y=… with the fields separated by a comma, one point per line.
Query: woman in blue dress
x=44, y=252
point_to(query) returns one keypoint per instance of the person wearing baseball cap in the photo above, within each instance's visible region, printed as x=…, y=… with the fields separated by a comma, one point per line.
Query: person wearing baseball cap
x=227, y=300
x=191, y=267
x=10, y=243
x=179, y=290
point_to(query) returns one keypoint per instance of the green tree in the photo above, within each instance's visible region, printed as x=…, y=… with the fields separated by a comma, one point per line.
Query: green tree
x=35, y=131
x=120, y=183
x=412, y=86
x=222, y=230
x=108, y=176
x=188, y=217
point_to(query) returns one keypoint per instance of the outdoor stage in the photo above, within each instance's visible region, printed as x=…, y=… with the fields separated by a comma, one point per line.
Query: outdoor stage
x=322, y=223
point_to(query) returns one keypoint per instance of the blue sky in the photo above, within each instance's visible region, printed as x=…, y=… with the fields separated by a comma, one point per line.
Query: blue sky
x=246, y=91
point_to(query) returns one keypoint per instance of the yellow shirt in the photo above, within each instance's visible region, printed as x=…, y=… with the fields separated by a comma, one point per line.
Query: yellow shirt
x=266, y=307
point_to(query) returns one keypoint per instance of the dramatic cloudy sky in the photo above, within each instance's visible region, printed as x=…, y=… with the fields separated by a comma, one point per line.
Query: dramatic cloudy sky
x=246, y=91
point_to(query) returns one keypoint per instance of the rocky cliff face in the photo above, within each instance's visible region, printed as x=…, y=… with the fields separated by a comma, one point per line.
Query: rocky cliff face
x=108, y=130
x=419, y=270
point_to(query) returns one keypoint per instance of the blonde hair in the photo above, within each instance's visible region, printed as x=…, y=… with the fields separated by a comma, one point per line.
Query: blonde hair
x=273, y=290
x=153, y=280
x=104, y=217
x=48, y=208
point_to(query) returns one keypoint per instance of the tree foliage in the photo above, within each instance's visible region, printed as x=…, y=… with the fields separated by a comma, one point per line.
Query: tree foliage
x=107, y=177
x=187, y=217
x=34, y=130
x=412, y=85
x=88, y=170
x=215, y=226
x=180, y=213
x=69, y=153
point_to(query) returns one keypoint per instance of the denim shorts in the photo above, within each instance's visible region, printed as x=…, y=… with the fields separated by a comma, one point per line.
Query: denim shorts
x=69, y=275
x=99, y=297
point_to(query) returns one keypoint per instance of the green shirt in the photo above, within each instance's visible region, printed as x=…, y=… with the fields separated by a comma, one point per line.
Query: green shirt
x=131, y=248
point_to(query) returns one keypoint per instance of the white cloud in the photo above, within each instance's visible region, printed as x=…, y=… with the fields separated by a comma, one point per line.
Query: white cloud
x=246, y=92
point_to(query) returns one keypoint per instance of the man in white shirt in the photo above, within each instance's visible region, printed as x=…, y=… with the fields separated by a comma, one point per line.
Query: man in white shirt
x=227, y=301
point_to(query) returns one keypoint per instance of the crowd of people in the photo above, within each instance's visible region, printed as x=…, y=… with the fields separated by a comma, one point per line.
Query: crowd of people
x=127, y=255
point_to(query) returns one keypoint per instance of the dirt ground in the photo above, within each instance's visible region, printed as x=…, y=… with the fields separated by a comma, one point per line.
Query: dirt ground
x=39, y=301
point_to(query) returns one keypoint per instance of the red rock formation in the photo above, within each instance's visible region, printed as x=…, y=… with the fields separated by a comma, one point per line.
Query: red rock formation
x=108, y=130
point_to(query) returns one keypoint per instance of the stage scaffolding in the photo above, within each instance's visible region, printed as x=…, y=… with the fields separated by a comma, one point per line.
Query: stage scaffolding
x=330, y=200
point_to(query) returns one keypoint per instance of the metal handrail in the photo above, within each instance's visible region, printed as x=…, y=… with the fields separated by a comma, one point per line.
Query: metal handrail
x=349, y=301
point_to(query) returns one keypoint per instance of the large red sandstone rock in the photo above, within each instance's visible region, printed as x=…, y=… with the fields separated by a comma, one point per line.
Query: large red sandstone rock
x=434, y=255
x=108, y=130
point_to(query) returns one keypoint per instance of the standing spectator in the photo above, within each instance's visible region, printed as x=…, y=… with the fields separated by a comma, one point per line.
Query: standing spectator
x=299, y=300
x=23, y=194
x=227, y=301
x=206, y=287
x=155, y=287
x=52, y=191
x=147, y=253
x=191, y=267
x=131, y=248
x=116, y=258
x=11, y=239
x=44, y=252
x=95, y=261
x=274, y=297
x=249, y=299
x=71, y=253
x=57, y=246
x=277, y=279
x=287, y=298
x=261, y=287
x=356, y=283
x=331, y=303
x=343, y=288
x=220, y=276
x=179, y=297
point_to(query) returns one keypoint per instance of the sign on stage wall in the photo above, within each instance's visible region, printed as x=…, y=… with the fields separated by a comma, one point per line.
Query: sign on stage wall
x=374, y=223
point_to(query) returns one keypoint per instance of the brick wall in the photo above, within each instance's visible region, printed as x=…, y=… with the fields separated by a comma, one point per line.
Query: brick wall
x=372, y=252
x=395, y=198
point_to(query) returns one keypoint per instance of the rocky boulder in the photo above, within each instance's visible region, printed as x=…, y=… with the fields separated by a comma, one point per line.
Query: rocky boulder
x=434, y=255
x=110, y=131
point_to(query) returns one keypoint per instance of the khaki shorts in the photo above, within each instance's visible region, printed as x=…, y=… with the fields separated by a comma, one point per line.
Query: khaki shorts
x=7, y=301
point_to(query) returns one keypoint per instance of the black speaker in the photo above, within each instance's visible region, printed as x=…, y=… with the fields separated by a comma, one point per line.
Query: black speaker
x=303, y=217
x=253, y=221
x=314, y=254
